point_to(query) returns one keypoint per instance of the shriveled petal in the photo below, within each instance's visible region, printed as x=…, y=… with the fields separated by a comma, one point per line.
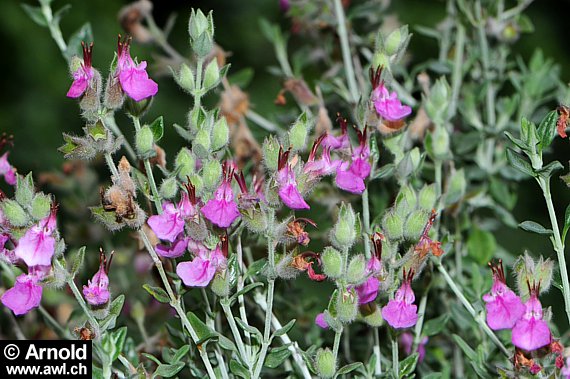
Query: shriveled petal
x=24, y=296
x=136, y=83
x=400, y=315
x=531, y=334
x=503, y=311
x=292, y=198
x=368, y=291
x=220, y=212
x=197, y=273
x=348, y=181
x=36, y=247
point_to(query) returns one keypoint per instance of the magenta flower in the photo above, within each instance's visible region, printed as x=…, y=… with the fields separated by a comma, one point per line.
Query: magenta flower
x=340, y=142
x=169, y=224
x=401, y=312
x=175, y=250
x=387, y=104
x=368, y=291
x=222, y=209
x=565, y=372
x=321, y=322
x=348, y=181
x=7, y=170
x=200, y=271
x=531, y=331
x=288, y=191
x=350, y=176
x=24, y=296
x=407, y=343
x=37, y=246
x=96, y=291
x=504, y=308
x=83, y=76
x=323, y=166
x=133, y=78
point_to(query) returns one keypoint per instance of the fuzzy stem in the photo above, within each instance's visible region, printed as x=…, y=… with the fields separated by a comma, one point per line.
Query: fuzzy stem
x=241, y=302
x=420, y=323
x=467, y=305
x=211, y=324
x=149, y=174
x=111, y=165
x=262, y=121
x=395, y=357
x=377, y=353
x=175, y=303
x=345, y=47
x=112, y=124
x=336, y=344
x=54, y=28
x=198, y=82
x=557, y=243
x=235, y=332
x=82, y=303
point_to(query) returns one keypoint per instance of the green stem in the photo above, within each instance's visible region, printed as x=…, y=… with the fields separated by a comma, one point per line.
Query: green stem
x=467, y=305
x=82, y=303
x=235, y=332
x=336, y=344
x=262, y=121
x=175, y=303
x=267, y=328
x=112, y=124
x=54, y=28
x=377, y=353
x=149, y=174
x=111, y=165
x=241, y=301
x=557, y=242
x=345, y=47
x=366, y=221
x=198, y=83
x=211, y=324
x=395, y=357
x=420, y=323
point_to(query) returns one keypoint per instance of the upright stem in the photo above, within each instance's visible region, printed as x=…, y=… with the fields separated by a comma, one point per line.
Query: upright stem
x=54, y=28
x=149, y=174
x=420, y=323
x=198, y=93
x=467, y=305
x=345, y=47
x=395, y=357
x=336, y=343
x=366, y=221
x=241, y=302
x=235, y=331
x=377, y=353
x=558, y=243
x=82, y=303
x=112, y=124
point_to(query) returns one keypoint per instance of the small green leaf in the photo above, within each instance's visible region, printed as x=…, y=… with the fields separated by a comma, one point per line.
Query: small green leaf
x=534, y=227
x=546, y=172
x=518, y=162
x=36, y=14
x=74, y=44
x=248, y=328
x=255, y=268
x=77, y=261
x=168, y=370
x=385, y=171
x=114, y=311
x=180, y=353
x=547, y=129
x=276, y=357
x=481, y=245
x=408, y=365
x=285, y=329
x=152, y=358
x=244, y=290
x=113, y=342
x=238, y=369
x=202, y=330
x=348, y=368
x=465, y=347
x=435, y=325
x=158, y=293
x=226, y=344
x=157, y=128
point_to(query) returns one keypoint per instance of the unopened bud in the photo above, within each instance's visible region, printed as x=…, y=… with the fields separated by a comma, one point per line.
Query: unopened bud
x=332, y=262
x=144, y=142
x=407, y=195
x=220, y=134
x=325, y=363
x=211, y=74
x=393, y=42
x=415, y=224
x=356, y=272
x=184, y=164
x=185, y=78
x=344, y=232
x=440, y=143
x=220, y=285
x=438, y=102
x=202, y=143
x=298, y=133
x=40, y=206
x=14, y=213
x=380, y=60
x=75, y=64
x=169, y=188
x=211, y=173
x=393, y=226
x=456, y=187
x=427, y=197
x=543, y=273
x=347, y=306
x=197, y=24
x=271, y=153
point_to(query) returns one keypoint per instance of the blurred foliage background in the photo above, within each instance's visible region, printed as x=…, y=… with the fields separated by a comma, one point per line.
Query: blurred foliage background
x=35, y=79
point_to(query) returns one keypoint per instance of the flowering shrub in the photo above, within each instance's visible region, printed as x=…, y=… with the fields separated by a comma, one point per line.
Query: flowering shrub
x=417, y=172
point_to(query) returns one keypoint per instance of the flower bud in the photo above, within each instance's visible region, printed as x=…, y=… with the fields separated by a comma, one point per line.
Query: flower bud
x=14, y=213
x=415, y=224
x=298, y=133
x=184, y=163
x=393, y=226
x=197, y=182
x=168, y=188
x=374, y=317
x=407, y=195
x=440, y=143
x=220, y=134
x=427, y=197
x=271, y=153
x=380, y=60
x=144, y=142
x=543, y=273
x=211, y=74
x=220, y=285
x=332, y=262
x=325, y=363
x=114, y=95
x=40, y=206
x=211, y=174
x=255, y=219
x=356, y=272
x=347, y=306
x=344, y=233
x=185, y=78
x=415, y=158
x=197, y=24
x=394, y=39
x=456, y=187
x=203, y=44
x=438, y=102
x=202, y=143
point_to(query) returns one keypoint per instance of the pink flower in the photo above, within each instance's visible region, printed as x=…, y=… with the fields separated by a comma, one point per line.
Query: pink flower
x=83, y=76
x=200, y=271
x=288, y=191
x=368, y=291
x=96, y=291
x=323, y=166
x=167, y=225
x=175, y=250
x=401, y=312
x=321, y=322
x=133, y=78
x=565, y=372
x=340, y=142
x=24, y=296
x=350, y=176
x=37, y=246
x=222, y=209
x=348, y=181
x=531, y=331
x=7, y=170
x=504, y=308
x=388, y=106
x=407, y=343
